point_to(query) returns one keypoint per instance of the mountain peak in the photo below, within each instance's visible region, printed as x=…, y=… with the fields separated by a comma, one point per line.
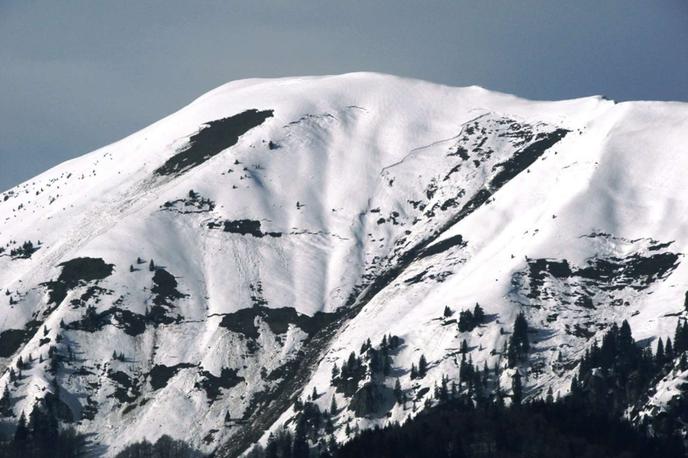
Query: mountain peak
x=235, y=252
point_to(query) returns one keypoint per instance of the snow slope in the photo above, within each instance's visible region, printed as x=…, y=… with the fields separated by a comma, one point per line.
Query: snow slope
x=363, y=201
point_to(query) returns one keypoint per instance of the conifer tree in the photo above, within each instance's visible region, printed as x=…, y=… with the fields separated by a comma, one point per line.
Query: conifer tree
x=669, y=350
x=549, y=398
x=271, y=447
x=681, y=337
x=444, y=391
x=520, y=335
x=466, y=321
x=478, y=314
x=6, y=403
x=519, y=344
x=625, y=339
x=659, y=356
x=398, y=393
x=512, y=355
x=517, y=388
x=387, y=364
x=151, y=266
x=21, y=436
x=575, y=387
x=333, y=406
x=422, y=366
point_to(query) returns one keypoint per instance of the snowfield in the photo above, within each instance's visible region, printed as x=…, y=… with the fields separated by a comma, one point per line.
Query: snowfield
x=344, y=208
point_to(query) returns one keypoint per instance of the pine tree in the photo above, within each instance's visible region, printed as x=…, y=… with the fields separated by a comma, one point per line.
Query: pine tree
x=447, y=311
x=478, y=314
x=520, y=335
x=681, y=337
x=669, y=350
x=21, y=435
x=271, y=447
x=285, y=445
x=659, y=356
x=512, y=355
x=422, y=366
x=151, y=266
x=6, y=403
x=519, y=344
x=625, y=339
x=464, y=347
x=398, y=393
x=314, y=395
x=466, y=321
x=365, y=346
x=576, y=390
x=549, y=399
x=387, y=364
x=333, y=406
x=131, y=268
x=517, y=388
x=444, y=391
x=414, y=371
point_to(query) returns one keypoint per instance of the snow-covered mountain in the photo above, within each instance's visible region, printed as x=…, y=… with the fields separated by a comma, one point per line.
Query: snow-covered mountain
x=198, y=277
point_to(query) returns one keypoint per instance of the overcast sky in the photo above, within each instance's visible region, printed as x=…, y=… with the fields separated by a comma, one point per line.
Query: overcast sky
x=76, y=75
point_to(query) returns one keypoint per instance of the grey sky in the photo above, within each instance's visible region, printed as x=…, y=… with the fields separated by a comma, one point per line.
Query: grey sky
x=76, y=75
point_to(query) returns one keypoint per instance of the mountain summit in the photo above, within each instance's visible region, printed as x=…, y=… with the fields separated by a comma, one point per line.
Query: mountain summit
x=211, y=274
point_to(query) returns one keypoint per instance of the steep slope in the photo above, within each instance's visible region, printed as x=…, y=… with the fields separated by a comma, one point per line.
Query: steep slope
x=287, y=221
